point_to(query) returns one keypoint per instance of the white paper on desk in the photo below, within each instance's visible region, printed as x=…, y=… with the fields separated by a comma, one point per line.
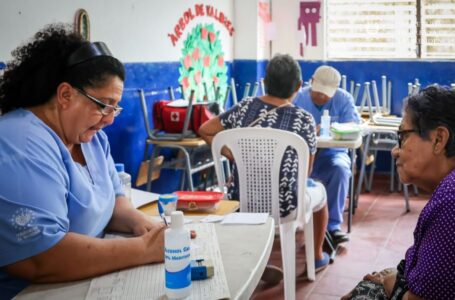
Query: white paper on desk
x=245, y=218
x=140, y=198
x=212, y=219
x=147, y=282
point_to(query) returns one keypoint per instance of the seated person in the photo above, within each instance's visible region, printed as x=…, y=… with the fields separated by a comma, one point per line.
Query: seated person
x=425, y=156
x=332, y=166
x=275, y=109
x=59, y=190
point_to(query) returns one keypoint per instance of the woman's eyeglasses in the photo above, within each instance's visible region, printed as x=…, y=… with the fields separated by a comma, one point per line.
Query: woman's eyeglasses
x=402, y=134
x=105, y=109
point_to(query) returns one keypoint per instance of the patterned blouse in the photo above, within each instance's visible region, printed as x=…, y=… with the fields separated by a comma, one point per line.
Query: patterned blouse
x=430, y=261
x=289, y=118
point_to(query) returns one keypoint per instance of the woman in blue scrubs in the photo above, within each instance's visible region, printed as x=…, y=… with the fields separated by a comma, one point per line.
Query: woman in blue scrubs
x=59, y=190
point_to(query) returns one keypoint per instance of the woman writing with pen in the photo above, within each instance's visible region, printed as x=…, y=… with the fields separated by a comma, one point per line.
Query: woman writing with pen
x=59, y=190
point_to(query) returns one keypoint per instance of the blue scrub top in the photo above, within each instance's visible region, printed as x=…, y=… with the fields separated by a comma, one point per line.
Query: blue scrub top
x=44, y=194
x=341, y=110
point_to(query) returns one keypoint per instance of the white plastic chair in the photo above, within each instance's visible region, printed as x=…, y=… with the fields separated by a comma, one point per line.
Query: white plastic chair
x=258, y=154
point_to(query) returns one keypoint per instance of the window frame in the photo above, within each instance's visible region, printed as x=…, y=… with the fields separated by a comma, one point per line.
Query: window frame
x=410, y=51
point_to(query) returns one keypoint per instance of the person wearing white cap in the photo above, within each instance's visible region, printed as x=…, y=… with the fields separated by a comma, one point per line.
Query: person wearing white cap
x=275, y=109
x=331, y=166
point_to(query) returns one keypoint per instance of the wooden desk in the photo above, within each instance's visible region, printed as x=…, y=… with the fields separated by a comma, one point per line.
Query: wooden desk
x=195, y=142
x=224, y=207
x=351, y=145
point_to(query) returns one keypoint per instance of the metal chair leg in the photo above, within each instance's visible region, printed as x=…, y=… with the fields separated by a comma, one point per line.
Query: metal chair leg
x=362, y=168
x=416, y=190
x=150, y=168
x=332, y=246
x=182, y=180
x=372, y=168
x=406, y=197
x=188, y=170
x=392, y=175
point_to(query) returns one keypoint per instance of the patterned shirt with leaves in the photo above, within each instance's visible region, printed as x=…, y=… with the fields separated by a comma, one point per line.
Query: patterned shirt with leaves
x=289, y=118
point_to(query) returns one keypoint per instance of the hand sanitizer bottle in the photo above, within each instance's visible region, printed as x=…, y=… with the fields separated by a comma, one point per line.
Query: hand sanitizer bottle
x=177, y=262
x=325, y=125
x=125, y=178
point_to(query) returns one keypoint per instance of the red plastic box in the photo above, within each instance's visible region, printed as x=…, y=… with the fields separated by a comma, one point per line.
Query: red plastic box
x=198, y=200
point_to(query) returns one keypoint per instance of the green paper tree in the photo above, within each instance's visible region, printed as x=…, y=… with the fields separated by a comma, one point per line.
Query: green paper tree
x=203, y=62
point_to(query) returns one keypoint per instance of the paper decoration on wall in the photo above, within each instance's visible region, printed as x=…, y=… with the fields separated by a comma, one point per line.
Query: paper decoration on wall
x=203, y=68
x=268, y=26
x=264, y=11
x=199, y=10
x=309, y=17
x=82, y=24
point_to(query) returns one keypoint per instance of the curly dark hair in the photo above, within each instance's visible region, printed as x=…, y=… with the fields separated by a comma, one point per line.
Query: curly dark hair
x=433, y=106
x=38, y=67
x=282, y=77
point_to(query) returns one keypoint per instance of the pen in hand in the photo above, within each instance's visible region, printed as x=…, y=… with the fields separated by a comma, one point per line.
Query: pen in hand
x=161, y=212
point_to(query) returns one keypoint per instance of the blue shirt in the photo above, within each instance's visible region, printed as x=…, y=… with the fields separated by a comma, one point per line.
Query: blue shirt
x=341, y=110
x=44, y=194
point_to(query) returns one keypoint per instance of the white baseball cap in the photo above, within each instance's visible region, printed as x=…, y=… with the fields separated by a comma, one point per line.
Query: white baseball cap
x=326, y=80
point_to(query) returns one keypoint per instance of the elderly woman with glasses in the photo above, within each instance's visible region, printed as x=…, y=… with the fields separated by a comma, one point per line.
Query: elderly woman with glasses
x=59, y=190
x=425, y=156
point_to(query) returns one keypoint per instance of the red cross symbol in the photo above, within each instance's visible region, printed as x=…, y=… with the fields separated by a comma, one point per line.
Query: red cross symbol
x=175, y=116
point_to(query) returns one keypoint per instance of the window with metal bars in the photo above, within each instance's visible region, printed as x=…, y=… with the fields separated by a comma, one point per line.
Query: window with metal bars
x=390, y=29
x=437, y=28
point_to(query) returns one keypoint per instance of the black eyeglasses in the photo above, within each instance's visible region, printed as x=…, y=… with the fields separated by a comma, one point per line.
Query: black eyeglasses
x=105, y=109
x=402, y=133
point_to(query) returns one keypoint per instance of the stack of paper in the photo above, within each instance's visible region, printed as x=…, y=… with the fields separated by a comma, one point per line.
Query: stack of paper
x=245, y=218
x=386, y=121
x=140, y=198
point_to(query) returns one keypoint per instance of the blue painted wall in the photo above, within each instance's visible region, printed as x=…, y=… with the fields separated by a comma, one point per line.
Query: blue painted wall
x=127, y=135
x=399, y=72
x=248, y=71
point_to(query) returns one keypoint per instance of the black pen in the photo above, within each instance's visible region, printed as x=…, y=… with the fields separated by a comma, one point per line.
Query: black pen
x=161, y=213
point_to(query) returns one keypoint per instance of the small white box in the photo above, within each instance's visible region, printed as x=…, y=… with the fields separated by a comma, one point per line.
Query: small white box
x=345, y=131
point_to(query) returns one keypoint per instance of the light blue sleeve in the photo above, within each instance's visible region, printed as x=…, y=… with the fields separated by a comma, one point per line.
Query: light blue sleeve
x=348, y=112
x=27, y=231
x=33, y=193
x=298, y=100
x=302, y=99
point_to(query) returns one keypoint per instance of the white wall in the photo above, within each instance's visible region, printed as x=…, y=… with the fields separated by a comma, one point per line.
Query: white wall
x=135, y=30
x=246, y=22
x=249, y=39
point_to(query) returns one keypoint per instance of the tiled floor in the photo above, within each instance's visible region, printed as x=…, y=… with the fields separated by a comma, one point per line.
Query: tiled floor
x=380, y=236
